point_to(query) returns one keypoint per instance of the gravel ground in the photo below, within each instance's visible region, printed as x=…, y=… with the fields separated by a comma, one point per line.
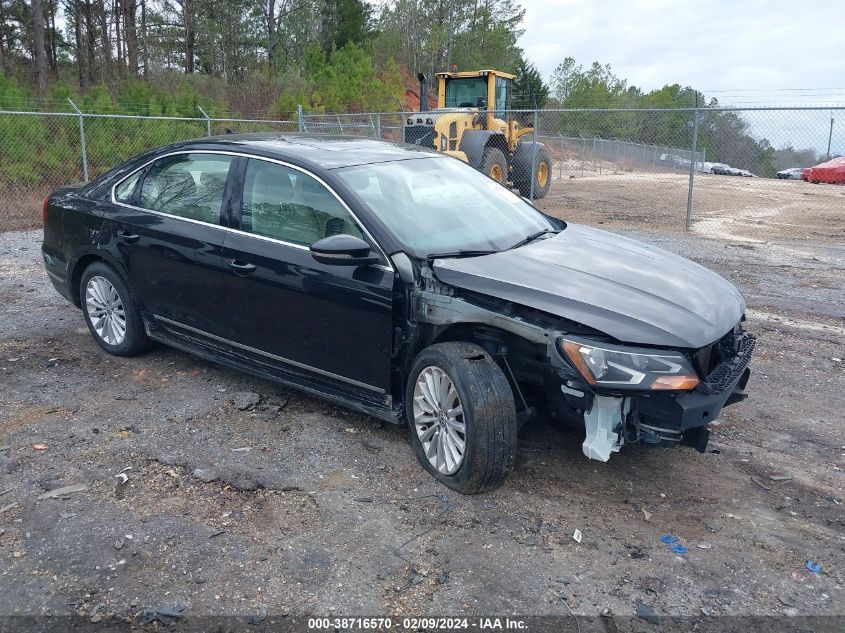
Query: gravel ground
x=744, y=209
x=244, y=498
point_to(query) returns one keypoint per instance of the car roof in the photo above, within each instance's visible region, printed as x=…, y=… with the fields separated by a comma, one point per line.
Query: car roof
x=328, y=152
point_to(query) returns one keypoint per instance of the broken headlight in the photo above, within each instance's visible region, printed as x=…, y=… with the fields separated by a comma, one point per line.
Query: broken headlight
x=615, y=367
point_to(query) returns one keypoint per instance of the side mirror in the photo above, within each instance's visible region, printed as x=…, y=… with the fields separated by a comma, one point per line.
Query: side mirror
x=343, y=250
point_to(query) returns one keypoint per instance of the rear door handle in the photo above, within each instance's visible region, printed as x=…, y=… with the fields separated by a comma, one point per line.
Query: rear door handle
x=241, y=266
x=126, y=236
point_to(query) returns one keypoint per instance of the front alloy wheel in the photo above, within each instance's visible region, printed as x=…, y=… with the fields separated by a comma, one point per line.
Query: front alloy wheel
x=461, y=414
x=439, y=420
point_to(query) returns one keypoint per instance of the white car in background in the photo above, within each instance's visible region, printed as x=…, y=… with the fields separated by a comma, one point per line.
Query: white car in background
x=793, y=173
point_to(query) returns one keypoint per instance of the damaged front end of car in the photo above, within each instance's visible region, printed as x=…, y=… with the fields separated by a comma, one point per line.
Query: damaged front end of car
x=618, y=393
x=629, y=394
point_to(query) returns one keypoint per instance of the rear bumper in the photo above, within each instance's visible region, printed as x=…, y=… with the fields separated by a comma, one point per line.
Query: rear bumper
x=57, y=272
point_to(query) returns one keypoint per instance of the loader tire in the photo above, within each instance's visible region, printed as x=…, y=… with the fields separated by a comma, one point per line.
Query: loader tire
x=542, y=174
x=495, y=165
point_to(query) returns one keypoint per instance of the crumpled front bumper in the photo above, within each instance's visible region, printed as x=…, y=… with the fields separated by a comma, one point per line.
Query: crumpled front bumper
x=613, y=419
x=724, y=385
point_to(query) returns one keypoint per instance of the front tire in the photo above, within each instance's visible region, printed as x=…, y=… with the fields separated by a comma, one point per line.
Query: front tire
x=462, y=417
x=495, y=165
x=110, y=313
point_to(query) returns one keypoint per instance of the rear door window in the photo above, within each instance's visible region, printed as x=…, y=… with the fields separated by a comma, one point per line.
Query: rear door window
x=187, y=185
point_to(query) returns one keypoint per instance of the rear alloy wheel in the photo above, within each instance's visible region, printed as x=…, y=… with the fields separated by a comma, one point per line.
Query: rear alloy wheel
x=462, y=417
x=495, y=165
x=105, y=310
x=110, y=313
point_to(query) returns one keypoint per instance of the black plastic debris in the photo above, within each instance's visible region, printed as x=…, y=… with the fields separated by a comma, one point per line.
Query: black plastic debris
x=165, y=615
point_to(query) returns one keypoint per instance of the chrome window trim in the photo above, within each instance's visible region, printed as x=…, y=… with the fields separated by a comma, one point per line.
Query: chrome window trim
x=114, y=200
x=282, y=359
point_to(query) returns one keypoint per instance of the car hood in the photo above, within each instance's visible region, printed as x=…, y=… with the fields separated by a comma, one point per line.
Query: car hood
x=631, y=291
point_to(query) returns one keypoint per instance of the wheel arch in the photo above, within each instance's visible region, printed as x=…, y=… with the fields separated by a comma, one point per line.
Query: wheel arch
x=474, y=142
x=499, y=343
x=79, y=265
x=524, y=154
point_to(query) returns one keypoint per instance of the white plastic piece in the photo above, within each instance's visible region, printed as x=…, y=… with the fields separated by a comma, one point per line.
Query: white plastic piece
x=577, y=536
x=602, y=418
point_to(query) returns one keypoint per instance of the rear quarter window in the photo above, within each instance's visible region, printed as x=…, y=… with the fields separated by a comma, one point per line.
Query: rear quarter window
x=124, y=191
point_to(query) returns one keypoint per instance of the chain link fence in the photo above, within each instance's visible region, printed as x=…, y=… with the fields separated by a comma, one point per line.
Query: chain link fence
x=45, y=150
x=637, y=168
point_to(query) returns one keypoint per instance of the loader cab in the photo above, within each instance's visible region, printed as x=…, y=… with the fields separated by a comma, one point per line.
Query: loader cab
x=483, y=89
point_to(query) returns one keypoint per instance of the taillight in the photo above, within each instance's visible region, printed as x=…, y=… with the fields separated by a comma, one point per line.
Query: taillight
x=44, y=210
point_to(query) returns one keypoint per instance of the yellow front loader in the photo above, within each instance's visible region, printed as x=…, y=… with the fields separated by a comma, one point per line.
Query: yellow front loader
x=471, y=122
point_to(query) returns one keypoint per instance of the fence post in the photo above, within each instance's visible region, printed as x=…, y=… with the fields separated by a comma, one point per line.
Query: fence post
x=82, y=140
x=378, y=125
x=560, y=162
x=583, y=156
x=534, y=155
x=601, y=158
x=207, y=121
x=692, y=166
x=299, y=119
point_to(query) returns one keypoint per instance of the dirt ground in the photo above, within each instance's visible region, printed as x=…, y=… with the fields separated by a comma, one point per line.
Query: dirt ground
x=244, y=498
x=742, y=209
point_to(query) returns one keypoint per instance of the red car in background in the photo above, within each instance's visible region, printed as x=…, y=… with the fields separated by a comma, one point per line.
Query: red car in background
x=831, y=172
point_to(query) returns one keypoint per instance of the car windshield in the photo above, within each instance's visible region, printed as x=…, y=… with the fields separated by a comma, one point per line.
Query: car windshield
x=441, y=205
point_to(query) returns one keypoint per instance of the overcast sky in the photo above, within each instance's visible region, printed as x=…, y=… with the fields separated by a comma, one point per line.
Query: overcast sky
x=712, y=45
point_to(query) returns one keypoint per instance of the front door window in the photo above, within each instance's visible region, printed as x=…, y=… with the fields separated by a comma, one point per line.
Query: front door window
x=291, y=206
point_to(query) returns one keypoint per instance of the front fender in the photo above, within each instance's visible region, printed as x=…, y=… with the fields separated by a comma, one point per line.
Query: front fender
x=473, y=143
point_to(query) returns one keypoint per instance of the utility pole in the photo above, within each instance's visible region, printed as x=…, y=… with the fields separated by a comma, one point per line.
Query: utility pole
x=829, y=137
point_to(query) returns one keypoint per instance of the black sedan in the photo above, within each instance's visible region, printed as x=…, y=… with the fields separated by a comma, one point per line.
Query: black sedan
x=404, y=284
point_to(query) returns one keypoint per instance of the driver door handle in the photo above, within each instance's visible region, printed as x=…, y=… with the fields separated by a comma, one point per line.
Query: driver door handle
x=128, y=237
x=242, y=267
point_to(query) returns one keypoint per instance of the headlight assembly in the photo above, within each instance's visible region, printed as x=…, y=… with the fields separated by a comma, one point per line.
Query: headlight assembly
x=615, y=367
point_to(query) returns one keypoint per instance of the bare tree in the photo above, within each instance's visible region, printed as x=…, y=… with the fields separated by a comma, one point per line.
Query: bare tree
x=189, y=26
x=90, y=40
x=117, y=16
x=53, y=43
x=105, y=39
x=145, y=56
x=273, y=22
x=74, y=7
x=130, y=34
x=4, y=68
x=39, y=55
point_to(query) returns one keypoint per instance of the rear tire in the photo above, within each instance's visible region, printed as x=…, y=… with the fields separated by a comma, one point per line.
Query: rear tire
x=110, y=312
x=474, y=384
x=494, y=165
x=542, y=176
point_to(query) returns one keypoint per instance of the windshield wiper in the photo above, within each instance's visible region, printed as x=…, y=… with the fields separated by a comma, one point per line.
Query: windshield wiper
x=464, y=252
x=532, y=237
